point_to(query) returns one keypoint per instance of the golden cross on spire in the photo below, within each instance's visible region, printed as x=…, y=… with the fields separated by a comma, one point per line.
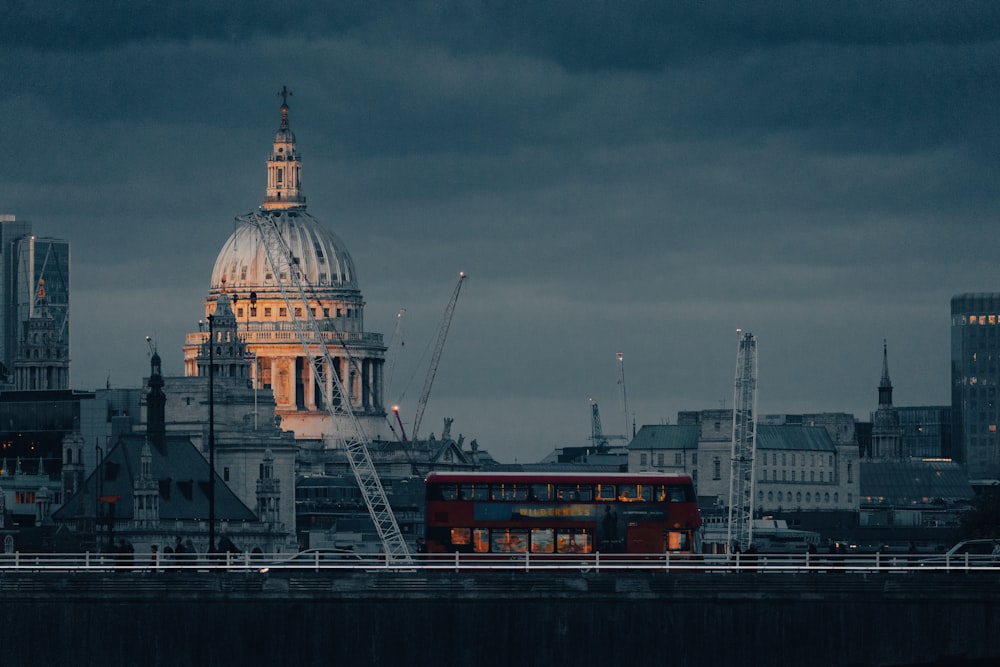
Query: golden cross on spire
x=285, y=94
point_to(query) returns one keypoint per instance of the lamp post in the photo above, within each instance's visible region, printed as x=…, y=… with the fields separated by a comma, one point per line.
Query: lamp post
x=211, y=434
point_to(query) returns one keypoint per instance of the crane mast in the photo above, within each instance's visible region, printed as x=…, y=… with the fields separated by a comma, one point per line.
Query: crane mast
x=596, y=432
x=621, y=381
x=436, y=358
x=282, y=262
x=741, y=478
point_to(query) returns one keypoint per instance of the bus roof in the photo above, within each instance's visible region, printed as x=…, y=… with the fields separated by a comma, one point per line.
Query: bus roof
x=558, y=477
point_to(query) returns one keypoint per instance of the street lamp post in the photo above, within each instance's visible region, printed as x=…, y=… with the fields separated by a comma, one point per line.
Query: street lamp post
x=211, y=434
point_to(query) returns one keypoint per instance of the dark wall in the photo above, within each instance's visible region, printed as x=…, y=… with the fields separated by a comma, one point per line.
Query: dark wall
x=595, y=619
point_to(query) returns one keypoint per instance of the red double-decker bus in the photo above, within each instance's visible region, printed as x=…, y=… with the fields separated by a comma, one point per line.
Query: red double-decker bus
x=561, y=513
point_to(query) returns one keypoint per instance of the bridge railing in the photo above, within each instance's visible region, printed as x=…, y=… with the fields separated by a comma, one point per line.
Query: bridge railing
x=318, y=560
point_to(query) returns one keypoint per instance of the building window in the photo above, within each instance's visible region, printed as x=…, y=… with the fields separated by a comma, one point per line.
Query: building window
x=24, y=497
x=694, y=458
x=642, y=460
x=267, y=312
x=239, y=312
x=659, y=459
x=716, y=468
x=282, y=312
x=850, y=474
x=677, y=458
x=225, y=474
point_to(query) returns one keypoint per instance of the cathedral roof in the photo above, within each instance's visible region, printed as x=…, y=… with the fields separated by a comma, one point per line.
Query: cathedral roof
x=320, y=256
x=323, y=259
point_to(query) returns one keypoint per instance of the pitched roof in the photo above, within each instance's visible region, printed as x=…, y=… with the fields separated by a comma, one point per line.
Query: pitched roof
x=182, y=474
x=666, y=436
x=798, y=438
x=900, y=483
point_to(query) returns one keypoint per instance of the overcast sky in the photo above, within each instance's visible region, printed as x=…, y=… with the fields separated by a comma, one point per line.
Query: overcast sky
x=641, y=177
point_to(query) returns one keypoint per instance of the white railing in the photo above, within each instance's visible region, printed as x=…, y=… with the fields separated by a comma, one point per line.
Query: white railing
x=349, y=561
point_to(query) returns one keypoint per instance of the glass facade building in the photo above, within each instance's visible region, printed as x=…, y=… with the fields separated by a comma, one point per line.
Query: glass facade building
x=975, y=376
x=24, y=260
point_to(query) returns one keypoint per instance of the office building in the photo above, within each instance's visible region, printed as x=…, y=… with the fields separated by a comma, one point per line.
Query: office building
x=975, y=339
x=25, y=261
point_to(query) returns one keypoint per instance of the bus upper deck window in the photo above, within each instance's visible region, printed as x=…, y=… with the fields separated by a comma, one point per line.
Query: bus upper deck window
x=474, y=492
x=541, y=492
x=606, y=492
x=448, y=491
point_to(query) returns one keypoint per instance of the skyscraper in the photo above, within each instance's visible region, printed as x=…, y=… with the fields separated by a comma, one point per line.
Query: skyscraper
x=24, y=260
x=975, y=376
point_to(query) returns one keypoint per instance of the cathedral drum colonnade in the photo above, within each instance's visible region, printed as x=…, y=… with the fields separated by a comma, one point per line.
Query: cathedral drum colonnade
x=264, y=325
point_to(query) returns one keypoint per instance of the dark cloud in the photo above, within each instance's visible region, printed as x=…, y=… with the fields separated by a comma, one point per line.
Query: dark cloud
x=643, y=177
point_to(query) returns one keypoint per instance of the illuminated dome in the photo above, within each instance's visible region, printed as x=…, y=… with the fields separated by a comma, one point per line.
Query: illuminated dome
x=271, y=317
x=323, y=257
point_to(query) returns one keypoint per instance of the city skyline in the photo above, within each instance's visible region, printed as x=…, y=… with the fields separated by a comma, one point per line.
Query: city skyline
x=638, y=178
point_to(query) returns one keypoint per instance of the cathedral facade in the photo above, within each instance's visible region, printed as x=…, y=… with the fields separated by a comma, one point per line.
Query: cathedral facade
x=272, y=317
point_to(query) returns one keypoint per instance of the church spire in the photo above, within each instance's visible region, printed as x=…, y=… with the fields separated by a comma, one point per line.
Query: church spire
x=885, y=384
x=284, y=166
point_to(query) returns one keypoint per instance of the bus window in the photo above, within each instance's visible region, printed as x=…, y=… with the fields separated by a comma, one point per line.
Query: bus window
x=574, y=542
x=606, y=492
x=677, y=541
x=447, y=491
x=541, y=492
x=481, y=540
x=510, y=492
x=634, y=492
x=461, y=536
x=676, y=494
x=575, y=492
x=474, y=492
x=542, y=541
x=506, y=540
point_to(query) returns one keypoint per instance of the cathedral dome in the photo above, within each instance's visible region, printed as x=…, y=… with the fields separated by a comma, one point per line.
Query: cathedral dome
x=322, y=257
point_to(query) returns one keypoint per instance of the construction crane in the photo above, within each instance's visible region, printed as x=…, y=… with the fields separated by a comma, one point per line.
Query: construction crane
x=282, y=263
x=395, y=343
x=436, y=358
x=741, y=478
x=597, y=435
x=621, y=381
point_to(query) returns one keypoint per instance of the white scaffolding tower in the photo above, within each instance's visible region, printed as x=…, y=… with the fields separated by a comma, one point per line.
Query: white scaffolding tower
x=741, y=478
